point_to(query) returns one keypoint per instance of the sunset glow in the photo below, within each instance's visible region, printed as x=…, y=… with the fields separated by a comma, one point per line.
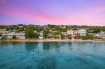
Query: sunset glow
x=58, y=12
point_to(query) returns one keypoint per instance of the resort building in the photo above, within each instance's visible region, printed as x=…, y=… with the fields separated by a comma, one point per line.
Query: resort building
x=18, y=35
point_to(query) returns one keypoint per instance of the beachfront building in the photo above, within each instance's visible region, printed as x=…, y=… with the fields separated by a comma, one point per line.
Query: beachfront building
x=82, y=32
x=19, y=35
x=70, y=32
x=74, y=33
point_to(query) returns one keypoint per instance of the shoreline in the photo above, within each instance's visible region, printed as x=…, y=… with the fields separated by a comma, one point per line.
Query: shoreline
x=49, y=40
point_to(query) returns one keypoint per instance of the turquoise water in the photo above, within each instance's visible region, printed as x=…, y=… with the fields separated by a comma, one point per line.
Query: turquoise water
x=52, y=55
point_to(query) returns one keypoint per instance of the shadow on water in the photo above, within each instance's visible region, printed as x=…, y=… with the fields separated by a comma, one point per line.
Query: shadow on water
x=46, y=46
x=31, y=45
x=50, y=45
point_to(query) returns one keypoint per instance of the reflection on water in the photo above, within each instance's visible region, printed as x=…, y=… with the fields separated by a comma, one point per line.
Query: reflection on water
x=52, y=55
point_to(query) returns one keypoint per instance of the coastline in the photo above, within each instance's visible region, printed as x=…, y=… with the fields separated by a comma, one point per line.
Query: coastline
x=50, y=40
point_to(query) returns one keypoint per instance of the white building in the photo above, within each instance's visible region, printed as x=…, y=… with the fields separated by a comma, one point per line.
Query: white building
x=70, y=32
x=82, y=32
x=18, y=35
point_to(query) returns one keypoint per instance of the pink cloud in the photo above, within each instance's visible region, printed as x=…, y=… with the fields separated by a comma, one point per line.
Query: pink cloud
x=102, y=8
x=80, y=17
x=32, y=12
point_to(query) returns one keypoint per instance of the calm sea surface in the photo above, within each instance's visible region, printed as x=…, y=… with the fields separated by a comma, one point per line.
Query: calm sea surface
x=52, y=55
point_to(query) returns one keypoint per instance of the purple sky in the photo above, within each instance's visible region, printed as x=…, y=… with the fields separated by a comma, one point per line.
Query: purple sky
x=58, y=12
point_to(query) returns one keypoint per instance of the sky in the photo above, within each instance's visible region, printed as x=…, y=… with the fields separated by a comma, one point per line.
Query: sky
x=55, y=12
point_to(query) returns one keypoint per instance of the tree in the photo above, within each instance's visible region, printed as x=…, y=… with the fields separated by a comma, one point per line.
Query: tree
x=21, y=29
x=7, y=28
x=62, y=36
x=69, y=36
x=57, y=33
x=45, y=33
x=14, y=37
x=30, y=32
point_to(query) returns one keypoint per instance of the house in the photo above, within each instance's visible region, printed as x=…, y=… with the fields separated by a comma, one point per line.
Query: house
x=75, y=33
x=70, y=32
x=82, y=32
x=2, y=31
x=19, y=35
x=64, y=33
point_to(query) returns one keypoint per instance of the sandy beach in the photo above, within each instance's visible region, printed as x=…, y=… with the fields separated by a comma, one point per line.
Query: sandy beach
x=55, y=40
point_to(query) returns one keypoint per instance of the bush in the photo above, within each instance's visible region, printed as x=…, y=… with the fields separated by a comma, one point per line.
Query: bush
x=55, y=37
x=56, y=33
x=77, y=37
x=3, y=38
x=97, y=37
x=69, y=37
x=85, y=38
x=14, y=37
x=45, y=37
x=62, y=36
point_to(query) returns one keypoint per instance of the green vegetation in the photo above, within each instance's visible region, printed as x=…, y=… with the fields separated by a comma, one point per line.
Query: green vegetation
x=91, y=37
x=29, y=33
x=69, y=36
x=29, y=30
x=56, y=37
x=62, y=36
x=61, y=28
x=45, y=33
x=3, y=38
x=87, y=37
x=14, y=37
x=56, y=33
x=49, y=37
